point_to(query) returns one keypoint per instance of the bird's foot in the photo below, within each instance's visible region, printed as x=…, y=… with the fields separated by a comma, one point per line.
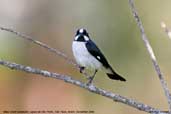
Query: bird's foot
x=81, y=69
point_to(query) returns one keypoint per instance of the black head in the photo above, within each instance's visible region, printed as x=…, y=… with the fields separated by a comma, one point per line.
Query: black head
x=81, y=35
x=82, y=31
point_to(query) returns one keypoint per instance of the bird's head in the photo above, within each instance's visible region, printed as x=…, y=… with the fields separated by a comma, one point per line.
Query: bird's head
x=82, y=35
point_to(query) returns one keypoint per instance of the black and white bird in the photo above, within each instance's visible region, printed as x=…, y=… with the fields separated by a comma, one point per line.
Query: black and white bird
x=88, y=55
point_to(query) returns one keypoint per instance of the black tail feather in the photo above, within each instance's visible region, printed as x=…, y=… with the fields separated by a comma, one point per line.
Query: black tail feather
x=113, y=75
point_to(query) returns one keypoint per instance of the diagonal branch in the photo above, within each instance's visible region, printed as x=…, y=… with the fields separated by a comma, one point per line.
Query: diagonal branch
x=41, y=44
x=55, y=51
x=91, y=88
x=151, y=53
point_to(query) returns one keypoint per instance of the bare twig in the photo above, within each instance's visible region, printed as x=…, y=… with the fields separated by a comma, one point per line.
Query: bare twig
x=55, y=51
x=91, y=88
x=151, y=53
x=41, y=44
x=166, y=29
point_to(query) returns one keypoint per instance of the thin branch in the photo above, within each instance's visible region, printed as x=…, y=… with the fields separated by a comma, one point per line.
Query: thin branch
x=151, y=53
x=41, y=44
x=166, y=29
x=91, y=88
x=55, y=51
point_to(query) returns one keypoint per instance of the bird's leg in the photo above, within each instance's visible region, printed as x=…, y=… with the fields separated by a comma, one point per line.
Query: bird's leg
x=92, y=77
x=81, y=69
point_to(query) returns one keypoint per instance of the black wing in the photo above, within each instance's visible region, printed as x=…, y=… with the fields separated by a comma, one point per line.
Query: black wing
x=95, y=51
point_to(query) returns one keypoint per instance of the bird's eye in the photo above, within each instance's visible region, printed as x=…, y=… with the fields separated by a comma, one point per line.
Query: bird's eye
x=85, y=33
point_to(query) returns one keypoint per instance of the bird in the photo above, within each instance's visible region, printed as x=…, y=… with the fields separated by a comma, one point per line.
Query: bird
x=89, y=56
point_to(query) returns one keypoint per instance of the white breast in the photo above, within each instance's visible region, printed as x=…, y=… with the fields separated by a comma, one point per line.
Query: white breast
x=83, y=57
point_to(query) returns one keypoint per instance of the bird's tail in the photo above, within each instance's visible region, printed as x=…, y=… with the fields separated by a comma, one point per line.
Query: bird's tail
x=113, y=75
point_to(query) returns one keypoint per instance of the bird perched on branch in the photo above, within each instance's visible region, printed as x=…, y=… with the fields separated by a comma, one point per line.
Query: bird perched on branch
x=88, y=55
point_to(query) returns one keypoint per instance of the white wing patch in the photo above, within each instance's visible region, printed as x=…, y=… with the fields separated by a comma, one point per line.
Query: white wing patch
x=98, y=57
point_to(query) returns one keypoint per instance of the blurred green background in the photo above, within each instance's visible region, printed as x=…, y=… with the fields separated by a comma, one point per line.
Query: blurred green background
x=111, y=25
